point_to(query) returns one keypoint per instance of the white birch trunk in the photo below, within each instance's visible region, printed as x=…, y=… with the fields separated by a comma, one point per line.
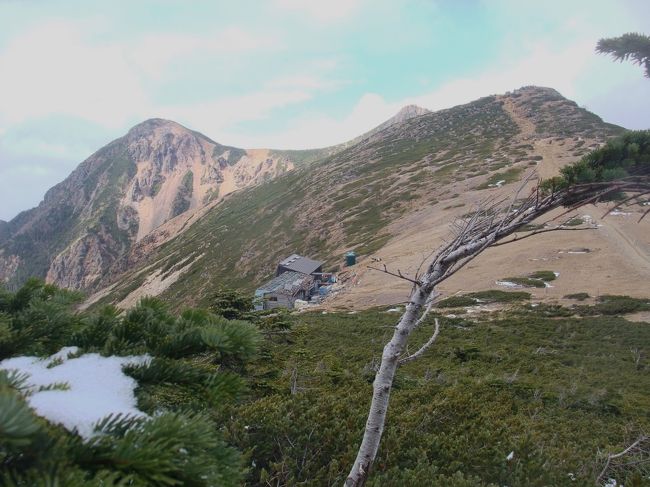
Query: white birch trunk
x=381, y=390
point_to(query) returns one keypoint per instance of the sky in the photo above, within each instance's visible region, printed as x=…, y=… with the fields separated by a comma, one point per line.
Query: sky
x=285, y=74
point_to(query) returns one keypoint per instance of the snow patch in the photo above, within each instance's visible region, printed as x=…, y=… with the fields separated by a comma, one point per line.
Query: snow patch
x=97, y=387
x=506, y=283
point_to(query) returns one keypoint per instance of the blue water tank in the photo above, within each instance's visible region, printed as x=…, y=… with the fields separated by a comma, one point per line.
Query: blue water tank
x=350, y=258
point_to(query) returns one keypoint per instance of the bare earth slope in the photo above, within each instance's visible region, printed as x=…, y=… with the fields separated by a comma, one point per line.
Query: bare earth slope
x=391, y=196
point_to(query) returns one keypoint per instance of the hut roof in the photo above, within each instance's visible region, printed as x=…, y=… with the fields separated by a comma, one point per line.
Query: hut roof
x=298, y=263
x=287, y=283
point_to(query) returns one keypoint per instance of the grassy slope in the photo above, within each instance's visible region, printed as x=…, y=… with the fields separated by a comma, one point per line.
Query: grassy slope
x=555, y=390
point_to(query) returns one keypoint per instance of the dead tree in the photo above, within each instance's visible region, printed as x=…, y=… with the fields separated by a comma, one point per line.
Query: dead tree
x=634, y=458
x=487, y=226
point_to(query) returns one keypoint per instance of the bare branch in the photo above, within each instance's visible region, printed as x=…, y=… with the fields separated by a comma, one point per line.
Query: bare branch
x=626, y=200
x=424, y=347
x=515, y=196
x=491, y=222
x=398, y=274
x=429, y=304
x=638, y=452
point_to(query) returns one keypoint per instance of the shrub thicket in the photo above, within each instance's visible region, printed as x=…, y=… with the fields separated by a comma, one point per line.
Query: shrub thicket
x=626, y=155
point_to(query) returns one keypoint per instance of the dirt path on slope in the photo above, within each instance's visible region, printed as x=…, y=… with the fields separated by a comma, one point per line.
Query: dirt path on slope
x=552, y=153
x=633, y=240
x=526, y=127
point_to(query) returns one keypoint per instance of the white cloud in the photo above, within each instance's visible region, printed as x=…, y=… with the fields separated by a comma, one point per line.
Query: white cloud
x=560, y=69
x=211, y=117
x=58, y=68
x=303, y=81
x=154, y=52
x=52, y=69
x=219, y=116
x=323, y=11
x=319, y=130
x=33, y=145
x=542, y=67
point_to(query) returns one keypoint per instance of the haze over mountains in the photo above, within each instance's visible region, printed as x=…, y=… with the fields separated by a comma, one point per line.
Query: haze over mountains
x=166, y=210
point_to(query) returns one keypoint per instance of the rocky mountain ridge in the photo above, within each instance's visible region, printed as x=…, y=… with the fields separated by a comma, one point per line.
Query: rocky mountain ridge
x=158, y=173
x=402, y=179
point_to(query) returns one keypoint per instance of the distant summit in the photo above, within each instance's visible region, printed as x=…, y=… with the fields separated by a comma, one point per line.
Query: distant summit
x=407, y=112
x=159, y=127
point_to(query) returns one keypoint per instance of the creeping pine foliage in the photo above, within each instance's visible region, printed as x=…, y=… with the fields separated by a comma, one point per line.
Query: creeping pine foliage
x=195, y=369
x=559, y=387
x=622, y=157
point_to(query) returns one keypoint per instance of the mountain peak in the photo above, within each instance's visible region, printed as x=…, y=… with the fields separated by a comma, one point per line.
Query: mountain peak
x=537, y=90
x=410, y=111
x=153, y=124
x=406, y=113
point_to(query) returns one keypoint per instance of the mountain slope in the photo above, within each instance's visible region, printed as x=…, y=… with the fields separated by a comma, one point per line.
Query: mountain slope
x=120, y=194
x=311, y=155
x=145, y=187
x=357, y=197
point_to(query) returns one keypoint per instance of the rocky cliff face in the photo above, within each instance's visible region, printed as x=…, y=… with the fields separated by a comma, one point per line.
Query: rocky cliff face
x=179, y=170
x=157, y=171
